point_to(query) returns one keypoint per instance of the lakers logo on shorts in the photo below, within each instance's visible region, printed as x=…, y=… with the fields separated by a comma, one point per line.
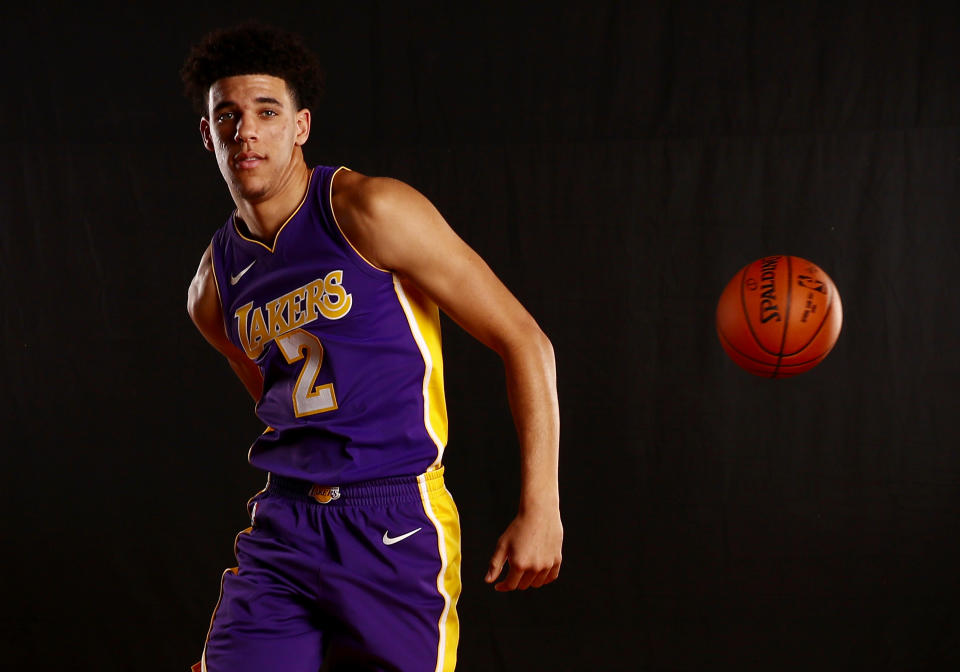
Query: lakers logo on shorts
x=325, y=494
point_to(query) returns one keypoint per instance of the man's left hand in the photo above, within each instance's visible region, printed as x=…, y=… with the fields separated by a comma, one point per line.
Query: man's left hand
x=531, y=545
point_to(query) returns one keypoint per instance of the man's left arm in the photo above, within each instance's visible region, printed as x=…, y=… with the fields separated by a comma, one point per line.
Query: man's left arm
x=397, y=228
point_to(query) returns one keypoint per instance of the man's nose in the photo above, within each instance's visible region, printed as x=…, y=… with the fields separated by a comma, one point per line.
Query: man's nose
x=246, y=129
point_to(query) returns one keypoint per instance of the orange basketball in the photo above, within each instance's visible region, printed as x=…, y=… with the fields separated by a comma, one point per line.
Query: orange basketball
x=779, y=316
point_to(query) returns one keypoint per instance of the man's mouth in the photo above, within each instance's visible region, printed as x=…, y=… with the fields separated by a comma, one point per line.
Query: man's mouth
x=247, y=160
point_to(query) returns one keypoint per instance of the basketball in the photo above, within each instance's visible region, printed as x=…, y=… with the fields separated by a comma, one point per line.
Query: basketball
x=779, y=316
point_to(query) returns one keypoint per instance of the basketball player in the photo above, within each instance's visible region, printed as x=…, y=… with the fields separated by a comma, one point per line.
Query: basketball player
x=322, y=291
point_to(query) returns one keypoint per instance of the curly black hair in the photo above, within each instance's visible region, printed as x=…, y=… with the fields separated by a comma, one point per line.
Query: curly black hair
x=252, y=49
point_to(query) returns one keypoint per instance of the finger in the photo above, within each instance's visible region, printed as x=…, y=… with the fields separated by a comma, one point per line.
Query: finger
x=510, y=583
x=527, y=579
x=553, y=574
x=496, y=564
x=542, y=578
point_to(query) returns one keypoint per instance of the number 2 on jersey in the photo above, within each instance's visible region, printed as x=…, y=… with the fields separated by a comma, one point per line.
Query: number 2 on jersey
x=307, y=398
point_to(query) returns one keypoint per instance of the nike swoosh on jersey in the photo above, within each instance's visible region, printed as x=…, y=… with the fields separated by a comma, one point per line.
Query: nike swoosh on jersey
x=390, y=541
x=234, y=279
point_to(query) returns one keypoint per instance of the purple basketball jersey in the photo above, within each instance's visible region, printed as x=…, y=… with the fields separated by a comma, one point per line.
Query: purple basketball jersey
x=350, y=355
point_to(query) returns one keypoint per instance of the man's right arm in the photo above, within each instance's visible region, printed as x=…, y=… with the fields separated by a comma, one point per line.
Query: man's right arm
x=203, y=305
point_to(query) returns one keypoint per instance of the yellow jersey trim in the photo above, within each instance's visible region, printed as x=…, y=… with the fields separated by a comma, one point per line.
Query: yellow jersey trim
x=423, y=317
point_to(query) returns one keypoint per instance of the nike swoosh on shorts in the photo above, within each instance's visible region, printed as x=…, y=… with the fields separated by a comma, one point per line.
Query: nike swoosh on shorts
x=390, y=541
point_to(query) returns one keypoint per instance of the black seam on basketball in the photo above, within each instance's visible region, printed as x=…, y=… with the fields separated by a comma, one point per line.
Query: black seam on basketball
x=763, y=373
x=786, y=312
x=790, y=365
x=804, y=362
x=741, y=353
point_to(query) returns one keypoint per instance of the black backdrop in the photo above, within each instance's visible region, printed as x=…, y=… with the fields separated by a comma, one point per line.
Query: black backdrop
x=615, y=163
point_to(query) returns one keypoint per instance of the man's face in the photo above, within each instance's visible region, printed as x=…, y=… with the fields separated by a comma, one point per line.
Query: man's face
x=255, y=131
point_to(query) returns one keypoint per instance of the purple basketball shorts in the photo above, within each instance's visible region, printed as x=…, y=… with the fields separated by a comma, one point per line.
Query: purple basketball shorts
x=356, y=577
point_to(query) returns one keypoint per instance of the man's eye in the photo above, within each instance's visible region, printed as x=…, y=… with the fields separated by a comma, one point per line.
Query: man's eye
x=226, y=116
x=269, y=113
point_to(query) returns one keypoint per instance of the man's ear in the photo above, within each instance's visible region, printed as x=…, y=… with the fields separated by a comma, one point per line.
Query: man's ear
x=303, y=127
x=205, y=133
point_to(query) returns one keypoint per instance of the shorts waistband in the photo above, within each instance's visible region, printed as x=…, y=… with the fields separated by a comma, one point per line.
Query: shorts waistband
x=366, y=493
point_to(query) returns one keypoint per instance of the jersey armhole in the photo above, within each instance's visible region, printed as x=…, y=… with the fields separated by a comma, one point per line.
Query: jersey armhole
x=216, y=284
x=362, y=262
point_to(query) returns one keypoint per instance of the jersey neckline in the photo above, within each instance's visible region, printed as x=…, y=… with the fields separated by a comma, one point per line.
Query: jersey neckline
x=272, y=248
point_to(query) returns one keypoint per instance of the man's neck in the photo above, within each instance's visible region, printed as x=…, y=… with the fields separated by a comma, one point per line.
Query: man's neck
x=263, y=218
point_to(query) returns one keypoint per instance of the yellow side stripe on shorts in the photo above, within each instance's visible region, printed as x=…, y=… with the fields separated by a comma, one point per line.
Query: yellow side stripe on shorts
x=442, y=512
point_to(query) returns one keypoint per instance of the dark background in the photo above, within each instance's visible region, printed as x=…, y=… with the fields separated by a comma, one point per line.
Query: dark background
x=616, y=163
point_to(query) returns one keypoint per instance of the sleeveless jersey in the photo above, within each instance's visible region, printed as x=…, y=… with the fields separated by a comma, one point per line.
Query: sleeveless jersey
x=350, y=355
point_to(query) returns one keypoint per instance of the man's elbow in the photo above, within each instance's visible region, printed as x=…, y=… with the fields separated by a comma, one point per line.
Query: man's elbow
x=529, y=342
x=545, y=348
x=541, y=341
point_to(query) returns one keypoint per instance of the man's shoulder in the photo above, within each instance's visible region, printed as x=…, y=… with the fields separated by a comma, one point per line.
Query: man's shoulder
x=359, y=194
